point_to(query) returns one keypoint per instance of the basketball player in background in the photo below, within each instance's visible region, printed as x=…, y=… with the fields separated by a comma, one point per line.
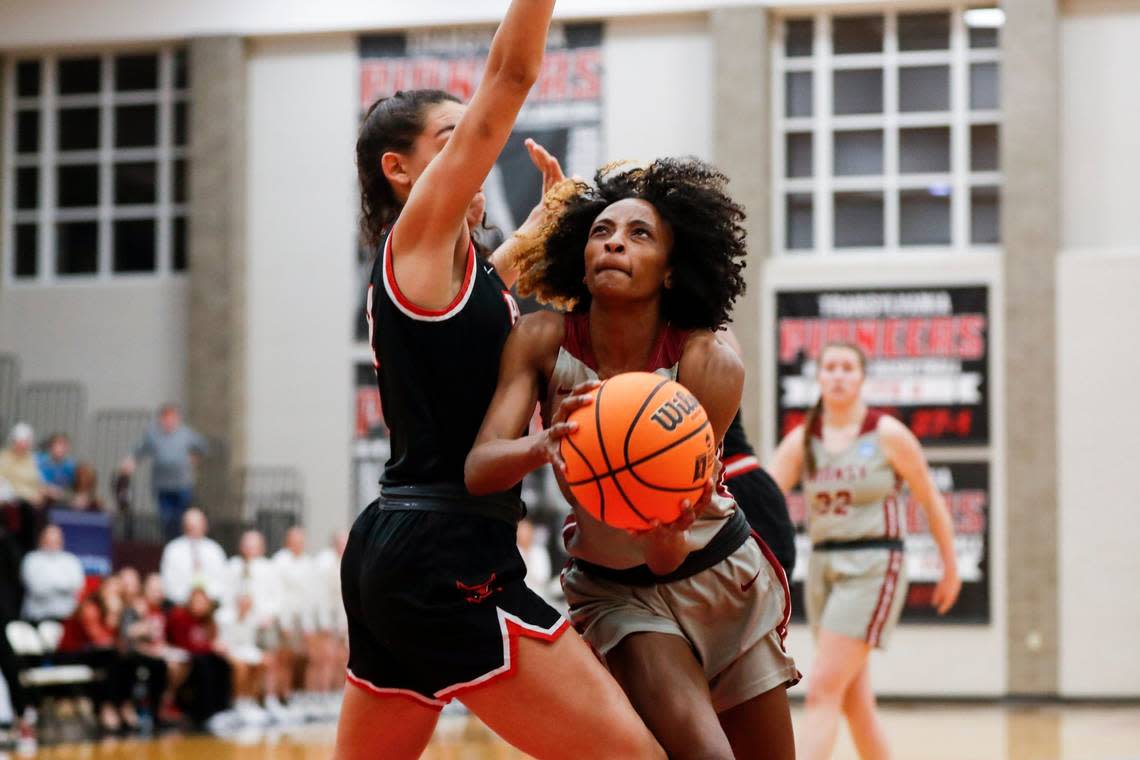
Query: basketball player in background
x=852, y=461
x=690, y=617
x=431, y=577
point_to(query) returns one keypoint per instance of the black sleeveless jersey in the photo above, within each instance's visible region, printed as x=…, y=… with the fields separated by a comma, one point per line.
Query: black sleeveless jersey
x=736, y=440
x=437, y=372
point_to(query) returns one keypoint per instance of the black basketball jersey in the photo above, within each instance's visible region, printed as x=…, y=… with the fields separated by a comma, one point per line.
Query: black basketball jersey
x=437, y=372
x=736, y=440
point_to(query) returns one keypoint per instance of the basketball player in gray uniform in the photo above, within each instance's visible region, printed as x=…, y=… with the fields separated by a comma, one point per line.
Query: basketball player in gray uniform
x=689, y=617
x=852, y=462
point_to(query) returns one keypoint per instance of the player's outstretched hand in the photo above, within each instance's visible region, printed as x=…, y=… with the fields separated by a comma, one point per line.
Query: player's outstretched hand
x=546, y=163
x=548, y=443
x=946, y=592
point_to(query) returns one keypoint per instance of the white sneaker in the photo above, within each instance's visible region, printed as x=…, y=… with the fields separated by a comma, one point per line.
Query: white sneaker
x=279, y=713
x=225, y=722
x=250, y=714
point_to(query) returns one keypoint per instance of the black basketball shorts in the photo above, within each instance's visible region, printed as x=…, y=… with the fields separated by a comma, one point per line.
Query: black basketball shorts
x=436, y=603
x=762, y=502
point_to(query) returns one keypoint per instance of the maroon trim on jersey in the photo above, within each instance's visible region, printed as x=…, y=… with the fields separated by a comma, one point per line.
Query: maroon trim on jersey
x=782, y=627
x=886, y=598
x=406, y=303
x=666, y=351
x=870, y=424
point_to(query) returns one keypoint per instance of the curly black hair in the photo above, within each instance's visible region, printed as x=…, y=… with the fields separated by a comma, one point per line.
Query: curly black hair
x=708, y=239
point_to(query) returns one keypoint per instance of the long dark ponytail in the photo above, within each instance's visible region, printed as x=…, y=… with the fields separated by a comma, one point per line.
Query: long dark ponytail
x=391, y=124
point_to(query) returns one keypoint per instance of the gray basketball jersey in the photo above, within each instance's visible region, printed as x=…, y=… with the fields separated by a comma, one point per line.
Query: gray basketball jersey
x=586, y=537
x=853, y=494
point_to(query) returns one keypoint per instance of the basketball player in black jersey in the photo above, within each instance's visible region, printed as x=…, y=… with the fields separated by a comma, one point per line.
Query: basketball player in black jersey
x=753, y=488
x=432, y=579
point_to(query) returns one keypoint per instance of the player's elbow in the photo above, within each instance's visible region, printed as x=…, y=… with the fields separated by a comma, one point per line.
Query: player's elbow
x=474, y=475
x=514, y=73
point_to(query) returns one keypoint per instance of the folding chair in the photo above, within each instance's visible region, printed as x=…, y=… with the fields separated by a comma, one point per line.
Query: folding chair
x=44, y=681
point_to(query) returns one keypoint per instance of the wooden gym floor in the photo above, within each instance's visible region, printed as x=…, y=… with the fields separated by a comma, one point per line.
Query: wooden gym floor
x=918, y=732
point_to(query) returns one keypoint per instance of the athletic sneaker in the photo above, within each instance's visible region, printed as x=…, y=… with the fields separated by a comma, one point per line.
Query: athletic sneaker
x=250, y=713
x=223, y=723
x=280, y=713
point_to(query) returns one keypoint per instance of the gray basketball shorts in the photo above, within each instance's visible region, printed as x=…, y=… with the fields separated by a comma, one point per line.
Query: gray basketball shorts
x=858, y=593
x=734, y=615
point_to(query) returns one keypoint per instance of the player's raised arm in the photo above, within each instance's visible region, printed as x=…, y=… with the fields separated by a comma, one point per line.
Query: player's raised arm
x=433, y=218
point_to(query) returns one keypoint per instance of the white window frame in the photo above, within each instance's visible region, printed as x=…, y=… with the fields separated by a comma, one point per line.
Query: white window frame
x=164, y=211
x=822, y=184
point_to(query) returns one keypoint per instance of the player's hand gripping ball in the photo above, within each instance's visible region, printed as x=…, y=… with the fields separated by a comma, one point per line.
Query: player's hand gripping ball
x=641, y=448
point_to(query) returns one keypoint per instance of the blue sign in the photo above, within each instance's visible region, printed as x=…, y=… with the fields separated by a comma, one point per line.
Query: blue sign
x=87, y=535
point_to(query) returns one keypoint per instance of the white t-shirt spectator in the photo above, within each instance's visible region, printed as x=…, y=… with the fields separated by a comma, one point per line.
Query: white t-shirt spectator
x=300, y=591
x=52, y=582
x=190, y=563
x=258, y=578
x=239, y=635
x=331, y=615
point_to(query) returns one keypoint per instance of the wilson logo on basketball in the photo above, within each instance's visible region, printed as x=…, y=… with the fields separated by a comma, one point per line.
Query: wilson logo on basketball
x=670, y=414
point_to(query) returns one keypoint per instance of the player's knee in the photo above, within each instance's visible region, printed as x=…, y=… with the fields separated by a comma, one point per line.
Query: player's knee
x=825, y=688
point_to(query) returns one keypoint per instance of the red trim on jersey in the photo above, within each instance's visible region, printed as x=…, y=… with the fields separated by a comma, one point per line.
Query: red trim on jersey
x=886, y=598
x=406, y=303
x=782, y=628
x=667, y=349
x=740, y=464
x=356, y=680
x=513, y=630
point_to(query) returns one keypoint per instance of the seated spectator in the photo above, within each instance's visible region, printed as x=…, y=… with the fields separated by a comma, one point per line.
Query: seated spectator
x=332, y=622
x=52, y=579
x=153, y=642
x=193, y=561
x=536, y=557
x=83, y=496
x=57, y=467
x=137, y=640
x=192, y=628
x=89, y=641
x=252, y=574
x=19, y=472
x=300, y=592
x=237, y=636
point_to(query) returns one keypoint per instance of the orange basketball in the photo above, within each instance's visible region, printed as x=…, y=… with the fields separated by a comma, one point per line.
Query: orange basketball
x=644, y=446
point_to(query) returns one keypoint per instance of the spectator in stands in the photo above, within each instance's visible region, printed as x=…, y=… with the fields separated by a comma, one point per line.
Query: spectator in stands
x=57, y=467
x=154, y=643
x=252, y=574
x=176, y=450
x=536, y=558
x=83, y=497
x=193, y=561
x=136, y=639
x=237, y=636
x=19, y=472
x=52, y=577
x=332, y=623
x=192, y=628
x=300, y=591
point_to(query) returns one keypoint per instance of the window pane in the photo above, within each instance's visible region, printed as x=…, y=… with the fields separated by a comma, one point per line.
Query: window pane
x=797, y=94
x=27, y=131
x=27, y=187
x=800, y=226
x=78, y=128
x=984, y=93
x=924, y=31
x=134, y=245
x=984, y=147
x=27, y=79
x=798, y=37
x=925, y=150
x=77, y=186
x=136, y=183
x=857, y=34
x=984, y=38
x=799, y=154
x=985, y=212
x=858, y=91
x=77, y=248
x=136, y=72
x=924, y=88
x=859, y=152
x=181, y=78
x=924, y=217
x=136, y=126
x=180, y=180
x=79, y=76
x=27, y=241
x=178, y=244
x=859, y=220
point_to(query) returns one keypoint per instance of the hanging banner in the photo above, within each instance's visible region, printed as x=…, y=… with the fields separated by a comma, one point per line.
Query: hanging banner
x=966, y=488
x=927, y=356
